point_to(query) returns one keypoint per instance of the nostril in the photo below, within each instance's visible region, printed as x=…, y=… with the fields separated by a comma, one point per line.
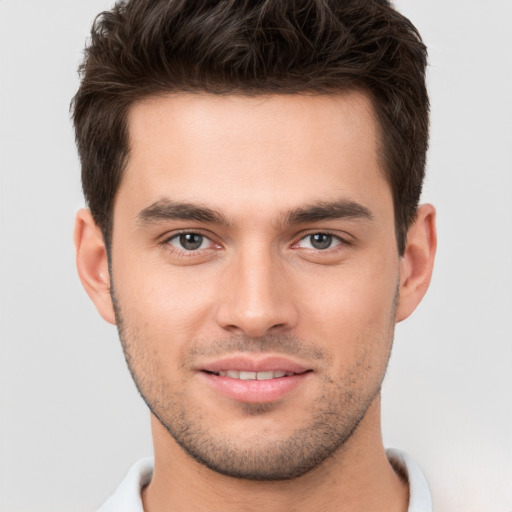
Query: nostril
x=277, y=326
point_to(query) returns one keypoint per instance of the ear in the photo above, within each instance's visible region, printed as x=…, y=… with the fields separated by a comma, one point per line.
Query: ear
x=417, y=263
x=92, y=263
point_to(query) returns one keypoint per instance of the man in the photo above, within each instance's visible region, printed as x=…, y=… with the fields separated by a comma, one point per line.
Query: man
x=253, y=171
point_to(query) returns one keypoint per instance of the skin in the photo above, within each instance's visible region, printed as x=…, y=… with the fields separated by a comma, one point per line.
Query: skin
x=258, y=286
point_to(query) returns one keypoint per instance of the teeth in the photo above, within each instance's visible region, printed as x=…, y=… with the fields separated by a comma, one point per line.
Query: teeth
x=247, y=376
x=265, y=375
x=242, y=375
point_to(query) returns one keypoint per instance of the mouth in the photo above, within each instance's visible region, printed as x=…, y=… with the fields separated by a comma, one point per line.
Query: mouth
x=245, y=375
x=255, y=379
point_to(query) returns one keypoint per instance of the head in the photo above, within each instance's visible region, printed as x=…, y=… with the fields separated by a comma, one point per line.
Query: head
x=253, y=171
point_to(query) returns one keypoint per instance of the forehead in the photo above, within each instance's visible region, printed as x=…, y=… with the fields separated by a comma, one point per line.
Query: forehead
x=260, y=151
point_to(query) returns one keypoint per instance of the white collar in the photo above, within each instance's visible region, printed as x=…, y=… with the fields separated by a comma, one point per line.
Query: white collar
x=419, y=493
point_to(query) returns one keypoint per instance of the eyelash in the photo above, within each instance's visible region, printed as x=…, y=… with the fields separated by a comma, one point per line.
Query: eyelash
x=341, y=241
x=184, y=253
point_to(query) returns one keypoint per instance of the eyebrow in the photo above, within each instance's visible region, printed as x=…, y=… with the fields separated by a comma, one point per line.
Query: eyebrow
x=166, y=209
x=328, y=211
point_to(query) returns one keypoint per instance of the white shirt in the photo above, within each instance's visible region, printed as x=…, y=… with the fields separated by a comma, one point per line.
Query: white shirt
x=127, y=496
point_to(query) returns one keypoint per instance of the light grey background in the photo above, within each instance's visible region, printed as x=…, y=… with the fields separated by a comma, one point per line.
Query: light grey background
x=71, y=422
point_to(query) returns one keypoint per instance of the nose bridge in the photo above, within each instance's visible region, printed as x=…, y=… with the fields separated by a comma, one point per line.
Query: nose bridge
x=256, y=298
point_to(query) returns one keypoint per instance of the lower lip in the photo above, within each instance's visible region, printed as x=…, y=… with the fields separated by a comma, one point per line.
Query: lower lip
x=255, y=391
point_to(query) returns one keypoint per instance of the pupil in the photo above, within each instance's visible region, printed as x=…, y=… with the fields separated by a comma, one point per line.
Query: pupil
x=191, y=241
x=321, y=240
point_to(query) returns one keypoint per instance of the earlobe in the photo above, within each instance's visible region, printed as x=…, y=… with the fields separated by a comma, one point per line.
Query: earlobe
x=417, y=262
x=92, y=263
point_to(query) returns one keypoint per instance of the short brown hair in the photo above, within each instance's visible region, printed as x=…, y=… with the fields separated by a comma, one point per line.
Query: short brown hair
x=143, y=48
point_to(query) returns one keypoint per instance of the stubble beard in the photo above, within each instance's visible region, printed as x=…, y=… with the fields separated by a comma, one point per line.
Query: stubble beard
x=335, y=415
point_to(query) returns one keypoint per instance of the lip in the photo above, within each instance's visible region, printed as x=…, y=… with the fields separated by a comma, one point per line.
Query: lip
x=254, y=364
x=255, y=391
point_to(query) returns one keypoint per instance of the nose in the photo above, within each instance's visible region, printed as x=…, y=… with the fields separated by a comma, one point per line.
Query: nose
x=257, y=296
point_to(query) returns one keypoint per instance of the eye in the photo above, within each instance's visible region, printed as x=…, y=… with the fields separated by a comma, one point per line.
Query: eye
x=319, y=241
x=189, y=241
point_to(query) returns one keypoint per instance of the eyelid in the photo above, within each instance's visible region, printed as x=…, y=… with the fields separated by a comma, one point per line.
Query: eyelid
x=165, y=240
x=334, y=242
x=187, y=231
x=344, y=239
x=177, y=239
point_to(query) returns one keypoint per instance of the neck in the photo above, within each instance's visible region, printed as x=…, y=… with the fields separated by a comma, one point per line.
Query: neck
x=358, y=477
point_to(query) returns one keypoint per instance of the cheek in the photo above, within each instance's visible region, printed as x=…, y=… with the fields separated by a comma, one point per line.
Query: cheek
x=362, y=292
x=168, y=305
x=351, y=311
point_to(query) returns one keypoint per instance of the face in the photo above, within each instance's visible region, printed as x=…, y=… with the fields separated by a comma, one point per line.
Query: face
x=254, y=274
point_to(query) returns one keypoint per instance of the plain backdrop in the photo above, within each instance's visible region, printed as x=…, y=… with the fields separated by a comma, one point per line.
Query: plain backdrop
x=71, y=421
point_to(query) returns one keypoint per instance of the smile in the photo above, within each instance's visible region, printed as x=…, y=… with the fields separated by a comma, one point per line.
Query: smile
x=245, y=375
x=253, y=379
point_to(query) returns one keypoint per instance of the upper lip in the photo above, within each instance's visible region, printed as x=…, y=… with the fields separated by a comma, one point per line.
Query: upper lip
x=253, y=363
